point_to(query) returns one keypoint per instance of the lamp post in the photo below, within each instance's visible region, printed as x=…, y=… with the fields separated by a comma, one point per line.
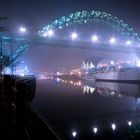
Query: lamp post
x=74, y=36
x=22, y=29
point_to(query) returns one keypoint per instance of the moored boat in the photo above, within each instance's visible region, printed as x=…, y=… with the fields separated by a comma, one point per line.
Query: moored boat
x=131, y=75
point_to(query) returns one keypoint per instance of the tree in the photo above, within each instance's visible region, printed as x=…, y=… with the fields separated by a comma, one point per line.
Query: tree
x=2, y=29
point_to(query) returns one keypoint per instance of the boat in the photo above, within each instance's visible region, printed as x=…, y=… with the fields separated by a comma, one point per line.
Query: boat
x=124, y=75
x=88, y=77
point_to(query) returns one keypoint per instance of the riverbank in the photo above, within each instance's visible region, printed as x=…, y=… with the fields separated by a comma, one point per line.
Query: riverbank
x=18, y=120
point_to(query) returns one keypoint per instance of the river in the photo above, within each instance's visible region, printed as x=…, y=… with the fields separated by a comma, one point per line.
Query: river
x=80, y=110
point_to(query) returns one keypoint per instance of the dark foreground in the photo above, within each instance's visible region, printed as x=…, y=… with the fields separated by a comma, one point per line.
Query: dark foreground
x=65, y=110
x=17, y=118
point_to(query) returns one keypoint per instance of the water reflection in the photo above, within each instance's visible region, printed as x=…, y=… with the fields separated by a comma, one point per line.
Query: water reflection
x=74, y=133
x=78, y=107
x=108, y=89
x=95, y=129
x=129, y=123
x=113, y=126
x=88, y=89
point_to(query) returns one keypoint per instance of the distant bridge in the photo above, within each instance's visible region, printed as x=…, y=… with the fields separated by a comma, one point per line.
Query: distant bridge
x=84, y=17
x=21, y=45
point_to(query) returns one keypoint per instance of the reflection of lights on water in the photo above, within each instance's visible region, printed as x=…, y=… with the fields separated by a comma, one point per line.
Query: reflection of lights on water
x=84, y=89
x=80, y=83
x=71, y=82
x=129, y=123
x=113, y=126
x=112, y=93
x=120, y=95
x=91, y=89
x=58, y=79
x=95, y=130
x=58, y=73
x=45, y=77
x=74, y=133
x=87, y=89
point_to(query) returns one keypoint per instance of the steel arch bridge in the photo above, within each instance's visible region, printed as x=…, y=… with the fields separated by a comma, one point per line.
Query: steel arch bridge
x=80, y=17
x=83, y=17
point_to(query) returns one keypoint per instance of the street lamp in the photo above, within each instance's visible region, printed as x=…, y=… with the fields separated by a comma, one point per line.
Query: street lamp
x=74, y=36
x=50, y=33
x=44, y=34
x=128, y=42
x=112, y=40
x=22, y=29
x=94, y=38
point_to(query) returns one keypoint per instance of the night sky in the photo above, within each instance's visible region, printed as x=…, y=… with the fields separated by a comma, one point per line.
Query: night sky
x=35, y=14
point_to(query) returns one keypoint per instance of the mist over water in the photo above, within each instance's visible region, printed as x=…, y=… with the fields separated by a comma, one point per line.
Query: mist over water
x=74, y=105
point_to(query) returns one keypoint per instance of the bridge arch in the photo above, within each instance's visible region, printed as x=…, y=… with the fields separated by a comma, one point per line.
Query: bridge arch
x=89, y=17
x=105, y=62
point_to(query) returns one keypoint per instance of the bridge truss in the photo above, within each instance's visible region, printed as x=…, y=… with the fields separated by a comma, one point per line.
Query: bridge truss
x=10, y=49
x=83, y=17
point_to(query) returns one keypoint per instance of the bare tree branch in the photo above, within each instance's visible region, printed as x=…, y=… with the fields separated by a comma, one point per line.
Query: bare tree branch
x=2, y=29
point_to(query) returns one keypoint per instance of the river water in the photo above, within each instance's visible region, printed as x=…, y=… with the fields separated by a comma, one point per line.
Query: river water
x=82, y=110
